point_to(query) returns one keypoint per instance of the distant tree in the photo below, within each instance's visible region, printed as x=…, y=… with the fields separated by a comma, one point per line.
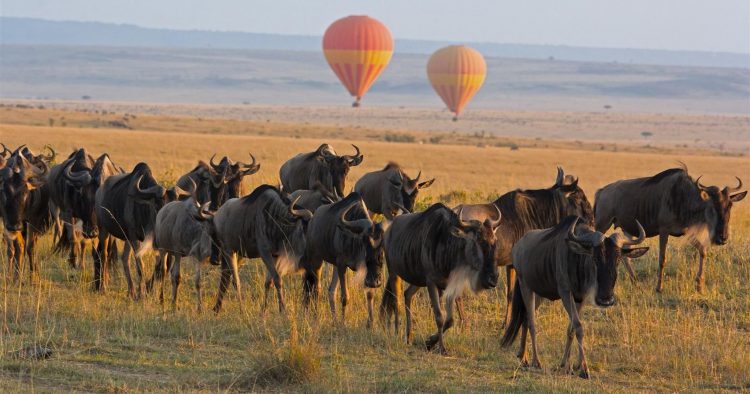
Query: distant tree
x=86, y=97
x=607, y=106
x=646, y=134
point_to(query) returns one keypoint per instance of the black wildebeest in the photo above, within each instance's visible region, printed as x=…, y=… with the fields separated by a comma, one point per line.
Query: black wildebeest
x=669, y=203
x=437, y=250
x=72, y=187
x=322, y=165
x=524, y=210
x=314, y=198
x=235, y=172
x=390, y=190
x=126, y=207
x=262, y=224
x=569, y=262
x=24, y=207
x=210, y=185
x=183, y=229
x=344, y=235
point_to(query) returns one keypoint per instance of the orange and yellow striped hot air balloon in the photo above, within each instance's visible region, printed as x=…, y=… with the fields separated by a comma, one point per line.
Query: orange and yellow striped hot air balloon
x=358, y=48
x=456, y=73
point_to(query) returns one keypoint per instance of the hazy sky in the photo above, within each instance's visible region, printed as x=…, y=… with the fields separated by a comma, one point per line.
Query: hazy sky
x=709, y=25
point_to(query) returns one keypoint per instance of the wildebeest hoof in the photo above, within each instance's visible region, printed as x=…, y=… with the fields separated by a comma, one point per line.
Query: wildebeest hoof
x=584, y=374
x=431, y=341
x=536, y=364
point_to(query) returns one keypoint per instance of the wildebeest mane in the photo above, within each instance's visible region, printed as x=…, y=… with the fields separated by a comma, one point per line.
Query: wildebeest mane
x=560, y=228
x=524, y=210
x=665, y=174
x=252, y=197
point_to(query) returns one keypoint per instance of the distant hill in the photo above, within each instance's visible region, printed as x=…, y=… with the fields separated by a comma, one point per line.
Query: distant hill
x=29, y=31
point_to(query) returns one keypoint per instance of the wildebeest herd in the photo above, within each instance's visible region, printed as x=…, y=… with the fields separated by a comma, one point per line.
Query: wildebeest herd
x=551, y=241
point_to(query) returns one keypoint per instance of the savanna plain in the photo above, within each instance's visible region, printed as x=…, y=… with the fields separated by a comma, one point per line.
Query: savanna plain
x=678, y=340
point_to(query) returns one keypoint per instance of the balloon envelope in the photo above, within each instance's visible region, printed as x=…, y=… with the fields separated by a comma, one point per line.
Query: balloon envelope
x=456, y=73
x=358, y=48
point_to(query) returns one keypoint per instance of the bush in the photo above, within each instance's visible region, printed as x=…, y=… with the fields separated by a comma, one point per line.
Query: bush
x=392, y=137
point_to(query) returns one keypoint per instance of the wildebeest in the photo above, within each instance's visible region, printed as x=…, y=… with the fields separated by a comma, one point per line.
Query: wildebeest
x=669, y=203
x=210, y=185
x=524, y=210
x=390, y=190
x=569, y=262
x=322, y=165
x=263, y=224
x=183, y=229
x=24, y=207
x=344, y=235
x=235, y=172
x=437, y=250
x=314, y=198
x=126, y=207
x=72, y=187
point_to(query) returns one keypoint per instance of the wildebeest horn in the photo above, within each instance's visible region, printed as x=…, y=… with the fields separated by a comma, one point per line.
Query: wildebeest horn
x=737, y=188
x=213, y=165
x=698, y=182
x=496, y=222
x=36, y=170
x=401, y=207
x=5, y=149
x=572, y=230
x=629, y=240
x=153, y=191
x=356, y=158
x=419, y=175
x=202, y=212
x=356, y=226
x=52, y=153
x=249, y=166
x=80, y=178
x=300, y=213
x=180, y=192
x=560, y=176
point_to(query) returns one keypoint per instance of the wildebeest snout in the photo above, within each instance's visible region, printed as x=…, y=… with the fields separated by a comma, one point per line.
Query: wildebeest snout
x=606, y=303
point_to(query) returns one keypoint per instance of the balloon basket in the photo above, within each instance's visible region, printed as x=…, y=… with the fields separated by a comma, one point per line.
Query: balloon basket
x=355, y=104
x=455, y=118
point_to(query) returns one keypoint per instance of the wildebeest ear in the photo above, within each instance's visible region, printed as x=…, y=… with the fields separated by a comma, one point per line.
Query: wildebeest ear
x=426, y=184
x=634, y=253
x=705, y=196
x=578, y=247
x=738, y=197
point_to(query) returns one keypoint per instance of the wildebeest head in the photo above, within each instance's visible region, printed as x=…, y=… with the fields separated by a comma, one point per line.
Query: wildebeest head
x=370, y=235
x=236, y=171
x=483, y=235
x=145, y=189
x=84, y=184
x=407, y=188
x=606, y=253
x=718, y=208
x=338, y=166
x=576, y=201
x=17, y=180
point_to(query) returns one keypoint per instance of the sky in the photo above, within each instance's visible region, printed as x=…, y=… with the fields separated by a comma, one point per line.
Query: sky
x=704, y=25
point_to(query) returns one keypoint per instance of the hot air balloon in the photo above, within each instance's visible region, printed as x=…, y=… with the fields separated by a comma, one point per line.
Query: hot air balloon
x=456, y=73
x=358, y=48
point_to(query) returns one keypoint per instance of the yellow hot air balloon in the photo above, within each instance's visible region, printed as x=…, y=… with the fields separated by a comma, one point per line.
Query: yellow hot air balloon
x=456, y=73
x=358, y=48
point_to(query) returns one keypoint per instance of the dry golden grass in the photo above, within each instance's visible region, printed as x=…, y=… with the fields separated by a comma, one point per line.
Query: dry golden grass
x=674, y=341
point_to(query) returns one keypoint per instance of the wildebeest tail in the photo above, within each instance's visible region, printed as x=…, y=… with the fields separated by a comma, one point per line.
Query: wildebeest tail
x=517, y=317
x=389, y=304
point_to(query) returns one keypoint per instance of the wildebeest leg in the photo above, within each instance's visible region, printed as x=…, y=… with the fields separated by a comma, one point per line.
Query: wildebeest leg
x=629, y=268
x=437, y=311
x=522, y=354
x=663, y=237
x=460, y=309
x=370, y=294
x=448, y=323
x=341, y=269
x=139, y=269
x=408, y=296
x=160, y=265
x=272, y=274
x=30, y=246
x=226, y=274
x=267, y=289
x=236, y=274
x=175, y=274
x=529, y=300
x=564, y=363
x=311, y=282
x=75, y=248
x=125, y=259
x=510, y=275
x=332, y=292
x=99, y=255
x=575, y=323
x=198, y=266
x=20, y=250
x=699, y=275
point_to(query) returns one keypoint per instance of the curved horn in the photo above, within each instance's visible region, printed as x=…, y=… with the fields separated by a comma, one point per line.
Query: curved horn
x=153, y=191
x=401, y=207
x=629, y=241
x=52, y=153
x=300, y=213
x=213, y=165
x=36, y=170
x=202, y=212
x=356, y=226
x=560, y=176
x=248, y=166
x=737, y=188
x=5, y=149
x=572, y=233
x=698, y=182
x=79, y=178
x=496, y=222
x=356, y=158
x=419, y=175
